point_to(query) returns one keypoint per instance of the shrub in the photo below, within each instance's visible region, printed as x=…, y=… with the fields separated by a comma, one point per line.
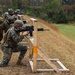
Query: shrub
x=60, y=17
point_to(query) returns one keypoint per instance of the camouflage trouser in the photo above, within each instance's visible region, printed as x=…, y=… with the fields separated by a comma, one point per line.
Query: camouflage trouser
x=7, y=51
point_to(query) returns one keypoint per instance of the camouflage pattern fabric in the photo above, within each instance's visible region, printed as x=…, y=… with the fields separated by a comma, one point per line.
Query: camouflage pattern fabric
x=1, y=30
x=1, y=34
x=11, y=44
x=6, y=26
x=9, y=18
x=5, y=15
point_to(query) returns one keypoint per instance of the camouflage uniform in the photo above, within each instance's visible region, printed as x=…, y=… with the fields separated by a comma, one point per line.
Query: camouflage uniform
x=8, y=20
x=9, y=13
x=9, y=17
x=11, y=44
x=1, y=28
x=4, y=26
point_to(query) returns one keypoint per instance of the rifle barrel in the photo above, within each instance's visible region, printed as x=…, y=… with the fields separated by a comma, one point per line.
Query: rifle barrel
x=42, y=29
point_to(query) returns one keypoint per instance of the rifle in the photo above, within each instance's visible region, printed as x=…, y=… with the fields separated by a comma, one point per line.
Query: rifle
x=30, y=29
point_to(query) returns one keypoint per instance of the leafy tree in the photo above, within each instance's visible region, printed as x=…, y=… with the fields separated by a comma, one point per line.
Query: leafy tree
x=60, y=17
x=53, y=5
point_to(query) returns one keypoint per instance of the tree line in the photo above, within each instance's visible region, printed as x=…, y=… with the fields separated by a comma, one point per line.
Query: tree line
x=58, y=11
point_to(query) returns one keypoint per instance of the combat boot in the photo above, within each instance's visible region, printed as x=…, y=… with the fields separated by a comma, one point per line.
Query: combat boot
x=20, y=63
x=2, y=64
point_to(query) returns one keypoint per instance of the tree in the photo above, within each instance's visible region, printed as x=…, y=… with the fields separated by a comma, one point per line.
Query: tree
x=60, y=17
x=53, y=5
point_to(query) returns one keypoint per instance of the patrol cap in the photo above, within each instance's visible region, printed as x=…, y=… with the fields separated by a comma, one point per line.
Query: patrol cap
x=18, y=23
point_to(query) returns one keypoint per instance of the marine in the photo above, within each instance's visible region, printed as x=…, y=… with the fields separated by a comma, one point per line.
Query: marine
x=11, y=44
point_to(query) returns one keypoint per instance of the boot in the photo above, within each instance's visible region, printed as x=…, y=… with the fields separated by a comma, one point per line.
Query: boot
x=2, y=64
x=20, y=63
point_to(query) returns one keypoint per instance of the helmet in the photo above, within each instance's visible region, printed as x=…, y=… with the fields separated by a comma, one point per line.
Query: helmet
x=10, y=11
x=18, y=11
x=18, y=23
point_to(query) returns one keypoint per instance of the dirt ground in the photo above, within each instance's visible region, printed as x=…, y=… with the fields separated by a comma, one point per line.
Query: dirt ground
x=52, y=44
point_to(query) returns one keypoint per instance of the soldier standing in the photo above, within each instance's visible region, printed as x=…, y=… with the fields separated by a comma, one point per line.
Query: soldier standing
x=11, y=44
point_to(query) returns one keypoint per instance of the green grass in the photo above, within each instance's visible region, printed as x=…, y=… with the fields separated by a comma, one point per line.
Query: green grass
x=67, y=30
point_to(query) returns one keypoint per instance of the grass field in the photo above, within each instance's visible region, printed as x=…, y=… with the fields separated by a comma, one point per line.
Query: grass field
x=67, y=30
